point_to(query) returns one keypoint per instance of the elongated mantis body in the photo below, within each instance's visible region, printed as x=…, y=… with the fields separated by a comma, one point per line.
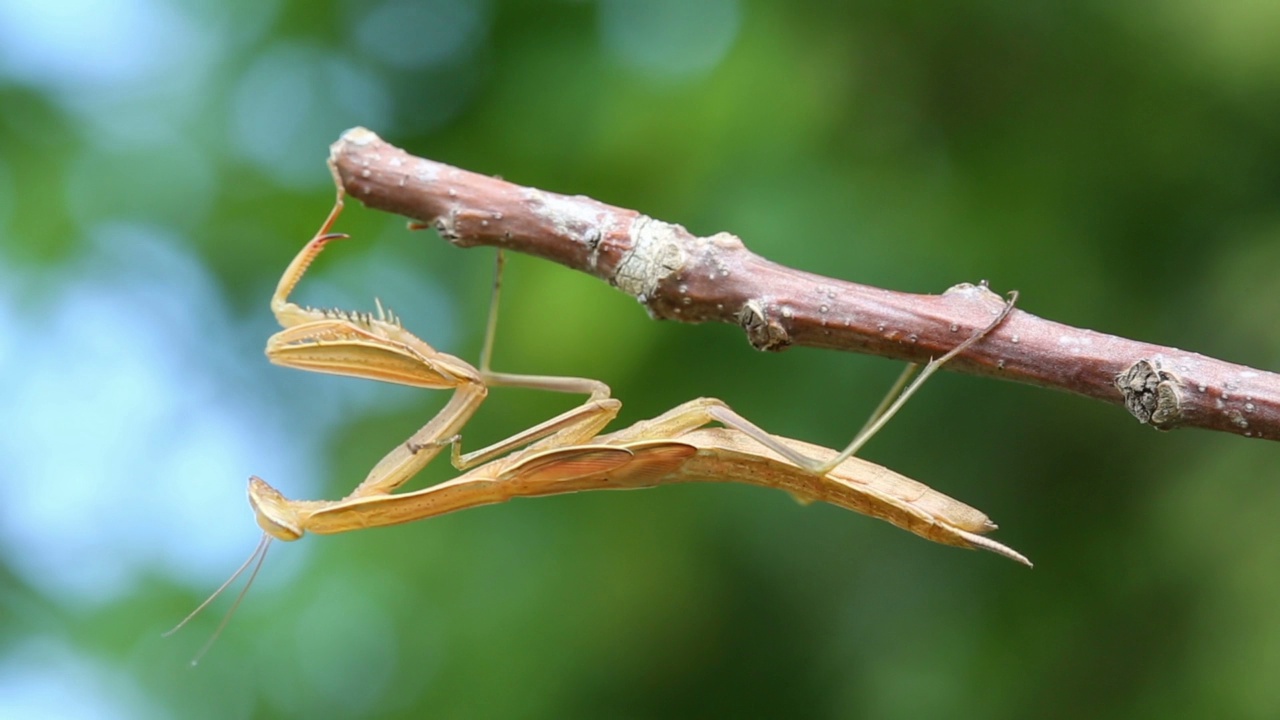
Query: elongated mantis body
x=567, y=453
x=638, y=457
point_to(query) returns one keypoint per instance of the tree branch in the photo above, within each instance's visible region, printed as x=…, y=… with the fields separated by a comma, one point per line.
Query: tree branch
x=677, y=276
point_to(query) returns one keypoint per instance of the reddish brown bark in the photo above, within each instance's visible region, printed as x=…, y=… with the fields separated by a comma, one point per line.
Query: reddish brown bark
x=678, y=276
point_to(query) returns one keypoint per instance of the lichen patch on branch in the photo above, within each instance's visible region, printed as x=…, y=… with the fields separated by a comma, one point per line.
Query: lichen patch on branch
x=656, y=254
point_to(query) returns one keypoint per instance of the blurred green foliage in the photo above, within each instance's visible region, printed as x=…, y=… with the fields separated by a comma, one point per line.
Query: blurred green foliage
x=1117, y=162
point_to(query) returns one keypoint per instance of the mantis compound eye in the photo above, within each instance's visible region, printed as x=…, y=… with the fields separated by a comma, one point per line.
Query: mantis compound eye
x=274, y=515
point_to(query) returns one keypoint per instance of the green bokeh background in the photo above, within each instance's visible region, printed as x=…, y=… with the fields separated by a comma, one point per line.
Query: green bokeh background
x=1117, y=162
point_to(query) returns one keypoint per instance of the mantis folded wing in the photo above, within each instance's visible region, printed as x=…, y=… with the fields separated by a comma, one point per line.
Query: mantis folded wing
x=566, y=453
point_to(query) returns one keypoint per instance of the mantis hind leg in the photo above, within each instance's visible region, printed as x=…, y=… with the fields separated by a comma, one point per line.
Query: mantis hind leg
x=898, y=395
x=699, y=412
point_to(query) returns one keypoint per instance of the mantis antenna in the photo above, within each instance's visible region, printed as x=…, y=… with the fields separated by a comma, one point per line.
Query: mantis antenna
x=260, y=554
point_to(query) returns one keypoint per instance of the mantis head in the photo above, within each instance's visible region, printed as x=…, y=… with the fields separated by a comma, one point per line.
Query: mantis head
x=276, y=515
x=280, y=520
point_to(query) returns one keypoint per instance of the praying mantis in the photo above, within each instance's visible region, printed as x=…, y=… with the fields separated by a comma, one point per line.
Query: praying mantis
x=566, y=453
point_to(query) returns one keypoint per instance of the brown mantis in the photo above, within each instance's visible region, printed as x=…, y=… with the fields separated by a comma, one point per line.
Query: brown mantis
x=567, y=453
